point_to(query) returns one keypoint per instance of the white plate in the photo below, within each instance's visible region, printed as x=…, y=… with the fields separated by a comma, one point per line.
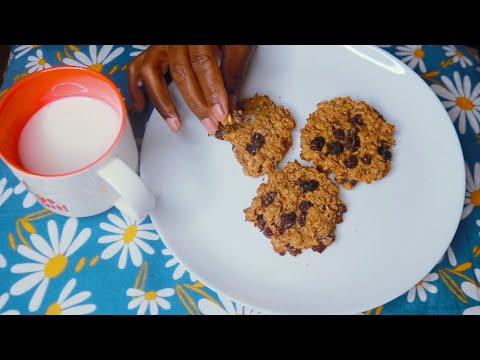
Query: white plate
x=395, y=230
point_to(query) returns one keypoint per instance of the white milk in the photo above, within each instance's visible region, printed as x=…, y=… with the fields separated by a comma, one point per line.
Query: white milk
x=67, y=135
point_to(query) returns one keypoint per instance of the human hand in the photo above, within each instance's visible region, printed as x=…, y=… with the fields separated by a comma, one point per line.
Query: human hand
x=210, y=91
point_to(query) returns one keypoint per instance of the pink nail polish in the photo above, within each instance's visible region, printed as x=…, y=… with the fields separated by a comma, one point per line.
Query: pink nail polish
x=173, y=124
x=218, y=111
x=210, y=125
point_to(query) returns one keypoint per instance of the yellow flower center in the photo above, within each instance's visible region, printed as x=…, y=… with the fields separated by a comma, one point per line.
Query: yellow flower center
x=130, y=234
x=35, y=46
x=459, y=53
x=419, y=283
x=42, y=62
x=151, y=295
x=465, y=103
x=55, y=266
x=475, y=198
x=96, y=67
x=419, y=53
x=54, y=309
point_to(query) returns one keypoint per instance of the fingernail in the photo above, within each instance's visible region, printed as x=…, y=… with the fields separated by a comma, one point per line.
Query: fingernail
x=218, y=111
x=173, y=124
x=210, y=125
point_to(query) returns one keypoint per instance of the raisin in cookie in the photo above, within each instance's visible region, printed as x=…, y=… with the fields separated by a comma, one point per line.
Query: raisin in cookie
x=298, y=208
x=260, y=135
x=350, y=139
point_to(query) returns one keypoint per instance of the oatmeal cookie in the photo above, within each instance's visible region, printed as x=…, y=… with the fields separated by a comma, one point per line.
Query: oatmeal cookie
x=350, y=139
x=260, y=134
x=298, y=208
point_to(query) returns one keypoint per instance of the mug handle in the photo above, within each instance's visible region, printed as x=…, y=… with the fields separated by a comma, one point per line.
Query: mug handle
x=135, y=199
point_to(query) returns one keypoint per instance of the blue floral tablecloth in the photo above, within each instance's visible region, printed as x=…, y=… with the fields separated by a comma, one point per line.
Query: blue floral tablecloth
x=109, y=264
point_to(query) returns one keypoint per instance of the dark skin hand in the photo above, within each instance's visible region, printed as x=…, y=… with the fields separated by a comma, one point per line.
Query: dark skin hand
x=209, y=90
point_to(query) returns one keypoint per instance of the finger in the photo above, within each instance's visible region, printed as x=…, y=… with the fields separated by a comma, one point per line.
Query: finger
x=187, y=82
x=151, y=73
x=234, y=67
x=133, y=78
x=204, y=63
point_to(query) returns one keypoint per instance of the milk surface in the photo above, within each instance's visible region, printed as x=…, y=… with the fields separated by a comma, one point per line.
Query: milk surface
x=67, y=135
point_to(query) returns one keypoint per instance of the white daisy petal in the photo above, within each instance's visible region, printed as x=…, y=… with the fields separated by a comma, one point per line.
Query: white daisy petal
x=422, y=295
x=135, y=254
x=104, y=51
x=38, y=295
x=80, y=310
x=448, y=83
x=430, y=288
x=208, y=307
x=82, y=58
x=467, y=86
x=113, y=55
x=135, y=292
x=117, y=221
x=179, y=271
x=473, y=122
x=411, y=294
x=68, y=233
x=11, y=312
x=33, y=63
x=142, y=308
x=3, y=299
x=135, y=302
x=146, y=227
x=166, y=292
x=31, y=254
x=462, y=123
x=109, y=239
x=66, y=291
x=458, y=83
x=29, y=200
x=3, y=262
x=477, y=274
x=471, y=290
x=431, y=277
x=41, y=245
x=454, y=112
x=164, y=304
x=122, y=260
x=111, y=228
x=39, y=54
x=476, y=92
x=79, y=241
x=467, y=210
x=146, y=235
x=448, y=104
x=92, y=49
x=451, y=257
x=476, y=176
x=153, y=307
x=34, y=68
x=112, y=250
x=32, y=59
x=470, y=182
x=27, y=268
x=472, y=311
x=171, y=262
x=441, y=91
x=422, y=66
x=76, y=299
x=144, y=246
x=413, y=63
x=53, y=235
x=72, y=62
